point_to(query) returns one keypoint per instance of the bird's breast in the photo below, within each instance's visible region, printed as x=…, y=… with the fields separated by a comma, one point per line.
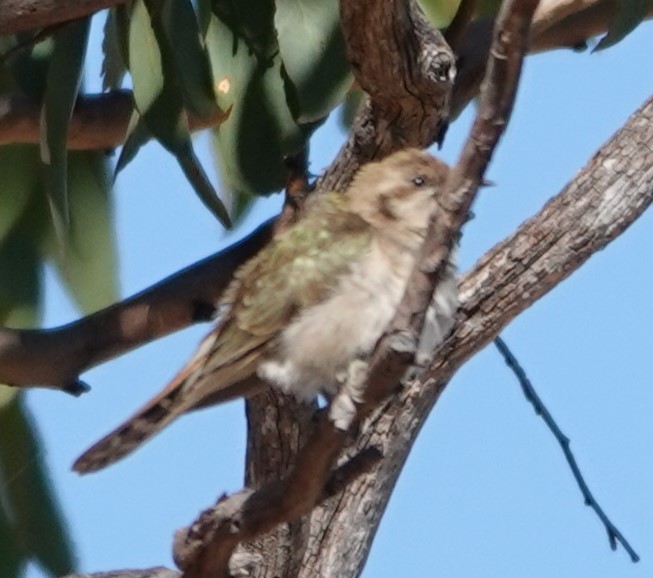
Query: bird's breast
x=324, y=338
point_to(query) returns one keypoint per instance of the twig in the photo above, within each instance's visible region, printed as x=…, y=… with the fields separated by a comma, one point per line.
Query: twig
x=614, y=535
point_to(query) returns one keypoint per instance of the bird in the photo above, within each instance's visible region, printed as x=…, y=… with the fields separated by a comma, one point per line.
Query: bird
x=318, y=296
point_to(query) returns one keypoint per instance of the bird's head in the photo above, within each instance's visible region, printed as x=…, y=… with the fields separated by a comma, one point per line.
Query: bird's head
x=399, y=192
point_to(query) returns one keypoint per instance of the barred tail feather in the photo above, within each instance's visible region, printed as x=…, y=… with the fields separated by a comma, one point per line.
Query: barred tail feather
x=138, y=429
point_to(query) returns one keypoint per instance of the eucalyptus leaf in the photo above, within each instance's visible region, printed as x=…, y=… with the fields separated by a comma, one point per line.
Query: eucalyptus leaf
x=191, y=58
x=159, y=100
x=29, y=68
x=20, y=271
x=196, y=176
x=350, y=108
x=13, y=557
x=89, y=267
x=314, y=55
x=630, y=14
x=37, y=522
x=19, y=170
x=137, y=136
x=63, y=81
x=261, y=130
x=204, y=11
x=144, y=58
x=441, y=12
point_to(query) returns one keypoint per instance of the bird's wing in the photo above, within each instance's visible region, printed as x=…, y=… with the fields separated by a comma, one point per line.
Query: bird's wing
x=298, y=269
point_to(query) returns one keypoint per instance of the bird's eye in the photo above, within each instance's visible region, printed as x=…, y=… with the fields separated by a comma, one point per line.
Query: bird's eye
x=418, y=181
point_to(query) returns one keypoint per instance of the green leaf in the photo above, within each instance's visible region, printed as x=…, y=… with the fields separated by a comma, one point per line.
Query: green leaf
x=630, y=13
x=29, y=68
x=159, y=101
x=484, y=9
x=31, y=525
x=12, y=555
x=314, y=55
x=89, y=266
x=19, y=167
x=261, y=130
x=204, y=11
x=195, y=174
x=63, y=81
x=241, y=205
x=144, y=58
x=137, y=136
x=37, y=520
x=20, y=271
x=114, y=49
x=441, y=12
x=190, y=56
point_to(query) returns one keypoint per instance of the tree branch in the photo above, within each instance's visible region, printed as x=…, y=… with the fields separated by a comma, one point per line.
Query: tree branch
x=206, y=547
x=56, y=357
x=614, y=534
x=99, y=121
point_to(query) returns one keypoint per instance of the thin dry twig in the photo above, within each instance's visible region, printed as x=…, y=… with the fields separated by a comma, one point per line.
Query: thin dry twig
x=614, y=535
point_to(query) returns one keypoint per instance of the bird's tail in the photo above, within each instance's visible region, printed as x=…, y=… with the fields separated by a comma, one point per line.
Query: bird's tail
x=173, y=401
x=147, y=422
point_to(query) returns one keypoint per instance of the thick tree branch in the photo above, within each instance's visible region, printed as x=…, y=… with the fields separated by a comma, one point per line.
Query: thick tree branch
x=99, y=121
x=56, y=357
x=156, y=572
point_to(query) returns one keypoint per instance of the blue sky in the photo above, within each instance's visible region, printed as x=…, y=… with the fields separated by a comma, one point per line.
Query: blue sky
x=486, y=491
